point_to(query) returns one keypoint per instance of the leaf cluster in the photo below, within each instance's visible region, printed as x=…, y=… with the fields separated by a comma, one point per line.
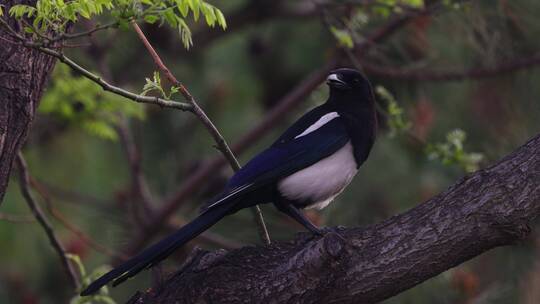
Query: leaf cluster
x=394, y=113
x=155, y=85
x=102, y=296
x=55, y=15
x=80, y=102
x=452, y=152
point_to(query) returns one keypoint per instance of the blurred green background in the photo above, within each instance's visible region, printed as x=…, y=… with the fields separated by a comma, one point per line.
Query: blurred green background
x=237, y=76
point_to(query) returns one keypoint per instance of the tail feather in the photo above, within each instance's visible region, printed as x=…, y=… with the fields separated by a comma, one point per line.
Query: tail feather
x=159, y=251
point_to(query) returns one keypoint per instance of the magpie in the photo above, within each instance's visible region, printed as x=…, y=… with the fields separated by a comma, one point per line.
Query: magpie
x=306, y=167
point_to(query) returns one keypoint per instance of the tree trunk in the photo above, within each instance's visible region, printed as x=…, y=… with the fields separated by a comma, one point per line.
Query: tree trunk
x=23, y=75
x=487, y=209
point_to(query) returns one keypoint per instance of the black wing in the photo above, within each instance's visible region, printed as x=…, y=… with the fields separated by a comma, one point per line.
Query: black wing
x=283, y=158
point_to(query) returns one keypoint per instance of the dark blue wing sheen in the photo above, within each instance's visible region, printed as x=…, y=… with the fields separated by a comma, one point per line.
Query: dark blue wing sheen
x=285, y=158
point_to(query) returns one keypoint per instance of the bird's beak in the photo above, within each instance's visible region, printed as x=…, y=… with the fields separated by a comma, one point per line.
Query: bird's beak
x=334, y=81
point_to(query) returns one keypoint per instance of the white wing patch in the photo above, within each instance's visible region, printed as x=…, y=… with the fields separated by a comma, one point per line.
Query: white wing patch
x=319, y=123
x=232, y=193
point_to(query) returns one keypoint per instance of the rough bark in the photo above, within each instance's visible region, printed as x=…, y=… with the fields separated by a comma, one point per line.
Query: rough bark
x=23, y=74
x=487, y=209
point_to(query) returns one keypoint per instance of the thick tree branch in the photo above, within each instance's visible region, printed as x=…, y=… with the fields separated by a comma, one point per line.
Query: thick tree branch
x=484, y=210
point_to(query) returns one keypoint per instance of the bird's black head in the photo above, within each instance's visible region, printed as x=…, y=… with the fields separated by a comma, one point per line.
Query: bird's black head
x=349, y=88
x=346, y=79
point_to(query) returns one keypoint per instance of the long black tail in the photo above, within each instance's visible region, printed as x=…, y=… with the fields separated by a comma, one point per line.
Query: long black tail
x=159, y=251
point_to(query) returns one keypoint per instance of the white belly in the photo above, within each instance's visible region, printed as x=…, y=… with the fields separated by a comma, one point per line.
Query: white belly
x=321, y=182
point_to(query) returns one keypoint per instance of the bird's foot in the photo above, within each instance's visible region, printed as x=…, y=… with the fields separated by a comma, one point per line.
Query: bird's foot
x=323, y=231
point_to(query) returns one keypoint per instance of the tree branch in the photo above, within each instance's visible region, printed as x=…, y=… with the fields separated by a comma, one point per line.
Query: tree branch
x=90, y=32
x=139, y=187
x=221, y=144
x=56, y=214
x=24, y=181
x=117, y=90
x=15, y=218
x=451, y=75
x=487, y=209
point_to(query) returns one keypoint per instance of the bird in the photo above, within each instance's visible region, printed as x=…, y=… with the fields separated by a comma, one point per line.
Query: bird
x=306, y=167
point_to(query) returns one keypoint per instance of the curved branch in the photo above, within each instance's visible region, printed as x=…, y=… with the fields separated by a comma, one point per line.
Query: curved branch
x=108, y=87
x=24, y=181
x=487, y=209
x=452, y=75
x=221, y=144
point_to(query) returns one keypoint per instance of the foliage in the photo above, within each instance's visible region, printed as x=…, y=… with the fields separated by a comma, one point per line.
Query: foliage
x=80, y=102
x=396, y=121
x=55, y=15
x=343, y=37
x=452, y=152
x=102, y=296
x=154, y=85
x=387, y=7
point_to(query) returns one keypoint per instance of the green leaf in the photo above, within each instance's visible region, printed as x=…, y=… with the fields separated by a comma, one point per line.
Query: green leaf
x=151, y=18
x=170, y=17
x=100, y=129
x=395, y=117
x=81, y=103
x=183, y=7
x=220, y=18
x=343, y=37
x=208, y=12
x=195, y=6
x=77, y=261
x=185, y=33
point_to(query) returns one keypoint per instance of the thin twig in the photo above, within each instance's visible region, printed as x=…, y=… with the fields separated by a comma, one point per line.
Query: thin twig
x=221, y=144
x=139, y=186
x=67, y=36
x=14, y=218
x=509, y=66
x=24, y=180
x=68, y=225
x=119, y=91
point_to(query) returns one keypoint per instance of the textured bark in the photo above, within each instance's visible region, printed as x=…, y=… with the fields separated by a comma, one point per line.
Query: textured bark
x=487, y=209
x=23, y=74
